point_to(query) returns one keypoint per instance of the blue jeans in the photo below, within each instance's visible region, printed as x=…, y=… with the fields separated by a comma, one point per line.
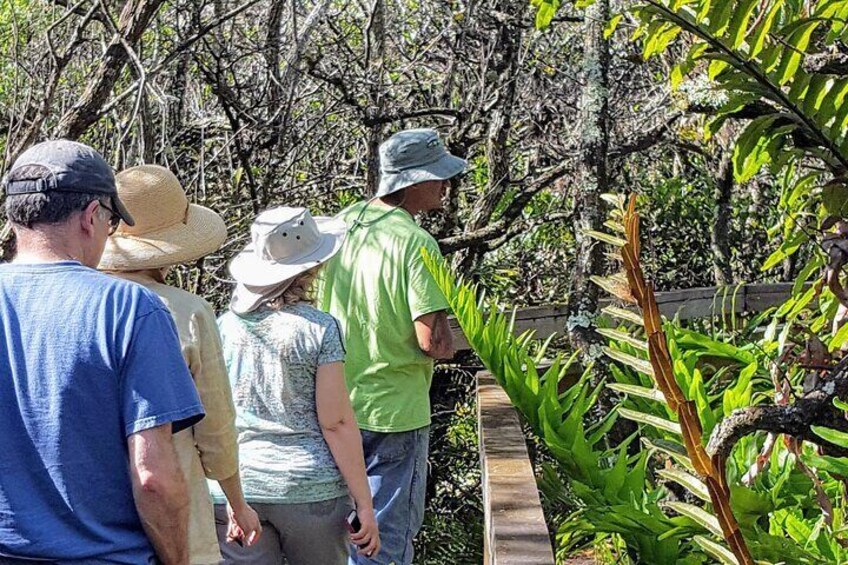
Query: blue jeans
x=396, y=464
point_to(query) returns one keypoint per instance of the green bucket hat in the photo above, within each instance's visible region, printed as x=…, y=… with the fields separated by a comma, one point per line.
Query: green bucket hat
x=413, y=156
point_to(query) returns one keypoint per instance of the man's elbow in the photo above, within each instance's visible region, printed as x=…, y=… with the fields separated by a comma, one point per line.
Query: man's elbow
x=437, y=349
x=160, y=485
x=332, y=426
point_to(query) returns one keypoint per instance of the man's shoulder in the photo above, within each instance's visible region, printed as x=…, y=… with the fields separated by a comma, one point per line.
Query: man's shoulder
x=417, y=237
x=347, y=212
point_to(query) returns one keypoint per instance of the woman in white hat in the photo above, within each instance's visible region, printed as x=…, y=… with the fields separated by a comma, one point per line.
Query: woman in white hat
x=301, y=450
x=168, y=231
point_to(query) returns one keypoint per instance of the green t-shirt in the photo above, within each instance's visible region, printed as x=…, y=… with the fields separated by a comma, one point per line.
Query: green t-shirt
x=376, y=286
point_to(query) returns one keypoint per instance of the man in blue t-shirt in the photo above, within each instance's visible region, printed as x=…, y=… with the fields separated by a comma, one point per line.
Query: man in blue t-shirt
x=92, y=380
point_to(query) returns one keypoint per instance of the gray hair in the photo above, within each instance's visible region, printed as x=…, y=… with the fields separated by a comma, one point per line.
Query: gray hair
x=50, y=207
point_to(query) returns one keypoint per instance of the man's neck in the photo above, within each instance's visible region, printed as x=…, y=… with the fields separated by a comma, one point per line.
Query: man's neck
x=404, y=205
x=37, y=246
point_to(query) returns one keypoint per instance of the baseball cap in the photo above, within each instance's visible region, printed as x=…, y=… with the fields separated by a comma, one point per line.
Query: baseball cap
x=62, y=165
x=413, y=156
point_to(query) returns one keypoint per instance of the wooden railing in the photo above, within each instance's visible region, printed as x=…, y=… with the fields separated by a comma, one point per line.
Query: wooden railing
x=515, y=530
x=686, y=304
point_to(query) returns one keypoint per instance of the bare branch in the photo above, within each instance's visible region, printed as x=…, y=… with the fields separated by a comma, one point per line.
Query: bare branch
x=134, y=19
x=648, y=140
x=398, y=116
x=176, y=52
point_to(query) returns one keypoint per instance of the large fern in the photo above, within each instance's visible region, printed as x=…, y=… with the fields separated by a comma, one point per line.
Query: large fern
x=616, y=492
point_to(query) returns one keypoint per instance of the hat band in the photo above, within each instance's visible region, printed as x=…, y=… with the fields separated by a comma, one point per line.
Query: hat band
x=37, y=186
x=398, y=170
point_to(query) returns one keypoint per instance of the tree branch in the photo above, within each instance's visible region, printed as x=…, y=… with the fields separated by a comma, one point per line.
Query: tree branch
x=134, y=19
x=176, y=52
x=77, y=8
x=813, y=409
x=647, y=141
x=397, y=116
x=497, y=234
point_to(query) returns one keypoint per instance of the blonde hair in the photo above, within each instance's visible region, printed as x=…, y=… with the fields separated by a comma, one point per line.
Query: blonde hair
x=299, y=291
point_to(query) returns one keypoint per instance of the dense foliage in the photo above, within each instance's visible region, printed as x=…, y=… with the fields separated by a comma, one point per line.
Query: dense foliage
x=728, y=117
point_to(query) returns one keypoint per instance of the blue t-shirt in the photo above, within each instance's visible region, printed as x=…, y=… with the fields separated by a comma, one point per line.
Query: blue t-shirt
x=86, y=360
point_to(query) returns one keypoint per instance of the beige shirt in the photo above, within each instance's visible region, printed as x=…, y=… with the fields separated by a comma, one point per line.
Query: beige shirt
x=209, y=449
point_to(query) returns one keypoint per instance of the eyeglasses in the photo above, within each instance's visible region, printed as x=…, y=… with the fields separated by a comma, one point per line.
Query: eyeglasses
x=114, y=218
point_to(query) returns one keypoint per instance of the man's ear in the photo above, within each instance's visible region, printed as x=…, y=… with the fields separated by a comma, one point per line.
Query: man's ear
x=87, y=220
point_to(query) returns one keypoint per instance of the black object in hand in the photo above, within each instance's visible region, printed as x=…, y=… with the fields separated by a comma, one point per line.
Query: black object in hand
x=352, y=522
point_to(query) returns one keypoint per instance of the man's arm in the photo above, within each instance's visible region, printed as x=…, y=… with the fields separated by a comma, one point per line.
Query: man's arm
x=434, y=335
x=160, y=493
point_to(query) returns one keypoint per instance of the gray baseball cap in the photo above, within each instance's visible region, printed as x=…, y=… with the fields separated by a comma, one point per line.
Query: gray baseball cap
x=413, y=156
x=68, y=167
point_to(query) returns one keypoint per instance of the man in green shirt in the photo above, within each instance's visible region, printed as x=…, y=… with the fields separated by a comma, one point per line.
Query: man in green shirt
x=394, y=319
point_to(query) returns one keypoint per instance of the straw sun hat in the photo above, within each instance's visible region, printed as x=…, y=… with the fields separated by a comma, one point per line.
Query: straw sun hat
x=167, y=231
x=284, y=242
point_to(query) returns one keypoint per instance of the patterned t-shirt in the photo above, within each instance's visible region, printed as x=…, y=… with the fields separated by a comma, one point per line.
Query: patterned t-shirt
x=272, y=360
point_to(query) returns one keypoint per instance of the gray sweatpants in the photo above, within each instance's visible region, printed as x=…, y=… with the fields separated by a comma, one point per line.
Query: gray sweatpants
x=298, y=534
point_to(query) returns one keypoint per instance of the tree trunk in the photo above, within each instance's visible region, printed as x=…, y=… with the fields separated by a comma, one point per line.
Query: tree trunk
x=505, y=46
x=134, y=19
x=374, y=53
x=720, y=233
x=589, y=209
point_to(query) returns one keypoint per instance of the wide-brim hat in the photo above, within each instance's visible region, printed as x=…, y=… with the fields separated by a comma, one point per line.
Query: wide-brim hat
x=168, y=229
x=286, y=242
x=246, y=299
x=413, y=156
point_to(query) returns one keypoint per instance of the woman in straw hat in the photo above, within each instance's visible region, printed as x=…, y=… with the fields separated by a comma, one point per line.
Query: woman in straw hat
x=168, y=231
x=301, y=450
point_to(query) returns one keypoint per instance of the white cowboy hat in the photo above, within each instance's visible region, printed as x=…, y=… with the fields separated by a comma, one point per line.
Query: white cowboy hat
x=285, y=242
x=168, y=229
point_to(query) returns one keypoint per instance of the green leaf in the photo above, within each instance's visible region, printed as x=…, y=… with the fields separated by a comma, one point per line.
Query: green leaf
x=786, y=249
x=763, y=29
x=801, y=303
x=640, y=391
x=623, y=314
x=545, y=13
x=739, y=22
x=833, y=436
x=670, y=448
x=692, y=483
x=716, y=551
x=605, y=237
x=651, y=420
x=719, y=16
x=832, y=465
x=698, y=515
x=631, y=361
x=612, y=25
x=617, y=335
x=797, y=44
x=739, y=395
x=746, y=158
x=716, y=67
x=839, y=339
x=818, y=89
